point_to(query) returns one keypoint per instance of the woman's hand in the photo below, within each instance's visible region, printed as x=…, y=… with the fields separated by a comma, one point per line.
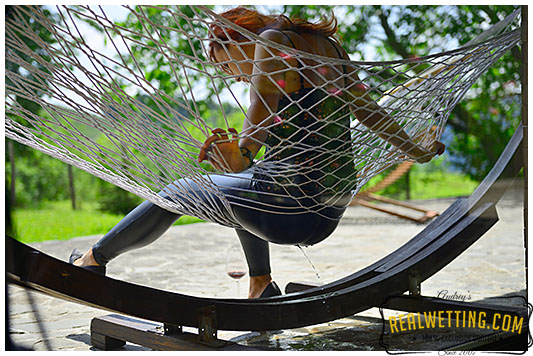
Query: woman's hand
x=437, y=148
x=223, y=153
x=424, y=155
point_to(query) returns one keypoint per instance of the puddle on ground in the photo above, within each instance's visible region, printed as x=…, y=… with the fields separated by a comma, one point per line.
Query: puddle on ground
x=359, y=333
x=354, y=333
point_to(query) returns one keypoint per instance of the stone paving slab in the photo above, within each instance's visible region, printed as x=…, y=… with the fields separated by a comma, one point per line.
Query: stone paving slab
x=191, y=259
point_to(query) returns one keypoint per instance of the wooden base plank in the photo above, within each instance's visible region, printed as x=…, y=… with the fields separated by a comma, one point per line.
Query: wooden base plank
x=104, y=342
x=110, y=332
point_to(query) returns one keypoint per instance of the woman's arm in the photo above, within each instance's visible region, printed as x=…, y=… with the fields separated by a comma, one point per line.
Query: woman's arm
x=370, y=114
x=269, y=75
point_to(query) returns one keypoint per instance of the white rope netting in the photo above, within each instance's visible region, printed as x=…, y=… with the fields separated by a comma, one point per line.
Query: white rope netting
x=103, y=114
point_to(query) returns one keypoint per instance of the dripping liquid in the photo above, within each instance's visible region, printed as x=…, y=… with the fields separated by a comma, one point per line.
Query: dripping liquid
x=325, y=299
x=309, y=260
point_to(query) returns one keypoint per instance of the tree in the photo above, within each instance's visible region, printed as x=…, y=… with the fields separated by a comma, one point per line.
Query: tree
x=39, y=177
x=22, y=15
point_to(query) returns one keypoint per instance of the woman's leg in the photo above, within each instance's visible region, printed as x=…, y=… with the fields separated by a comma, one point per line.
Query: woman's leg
x=147, y=222
x=142, y=226
x=257, y=255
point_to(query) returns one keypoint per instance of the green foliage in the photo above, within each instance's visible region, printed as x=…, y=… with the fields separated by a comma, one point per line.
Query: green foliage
x=481, y=124
x=41, y=178
x=114, y=200
x=484, y=123
x=38, y=177
x=21, y=14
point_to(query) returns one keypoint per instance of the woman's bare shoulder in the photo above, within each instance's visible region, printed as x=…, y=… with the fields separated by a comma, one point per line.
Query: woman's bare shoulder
x=277, y=36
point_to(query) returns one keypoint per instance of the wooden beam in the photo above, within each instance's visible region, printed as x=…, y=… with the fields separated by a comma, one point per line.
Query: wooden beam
x=330, y=302
x=427, y=214
x=110, y=332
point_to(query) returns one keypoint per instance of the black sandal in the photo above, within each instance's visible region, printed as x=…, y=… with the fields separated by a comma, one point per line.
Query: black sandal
x=271, y=290
x=76, y=254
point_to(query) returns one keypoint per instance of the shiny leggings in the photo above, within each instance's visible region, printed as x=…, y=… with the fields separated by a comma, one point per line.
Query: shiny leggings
x=288, y=224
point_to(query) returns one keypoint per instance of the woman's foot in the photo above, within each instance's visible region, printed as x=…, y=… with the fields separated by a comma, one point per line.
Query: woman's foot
x=259, y=286
x=86, y=261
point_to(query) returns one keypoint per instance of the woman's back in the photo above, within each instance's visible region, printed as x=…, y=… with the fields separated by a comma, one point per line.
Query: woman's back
x=311, y=132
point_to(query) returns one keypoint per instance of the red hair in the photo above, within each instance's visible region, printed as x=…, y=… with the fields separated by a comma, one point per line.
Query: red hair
x=256, y=22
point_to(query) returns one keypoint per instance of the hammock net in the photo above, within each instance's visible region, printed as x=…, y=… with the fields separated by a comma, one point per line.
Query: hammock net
x=103, y=114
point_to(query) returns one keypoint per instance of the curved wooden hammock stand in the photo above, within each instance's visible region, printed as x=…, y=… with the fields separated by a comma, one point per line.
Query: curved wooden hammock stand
x=378, y=285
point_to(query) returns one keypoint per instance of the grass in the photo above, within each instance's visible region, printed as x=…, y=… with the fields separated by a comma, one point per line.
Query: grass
x=430, y=181
x=440, y=185
x=57, y=221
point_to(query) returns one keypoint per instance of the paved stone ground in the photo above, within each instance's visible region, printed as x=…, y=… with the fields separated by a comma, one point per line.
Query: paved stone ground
x=191, y=259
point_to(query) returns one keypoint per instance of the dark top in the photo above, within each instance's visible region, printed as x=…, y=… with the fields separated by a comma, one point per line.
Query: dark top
x=311, y=132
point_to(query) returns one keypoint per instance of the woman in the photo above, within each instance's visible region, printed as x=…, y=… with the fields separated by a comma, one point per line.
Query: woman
x=283, y=116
